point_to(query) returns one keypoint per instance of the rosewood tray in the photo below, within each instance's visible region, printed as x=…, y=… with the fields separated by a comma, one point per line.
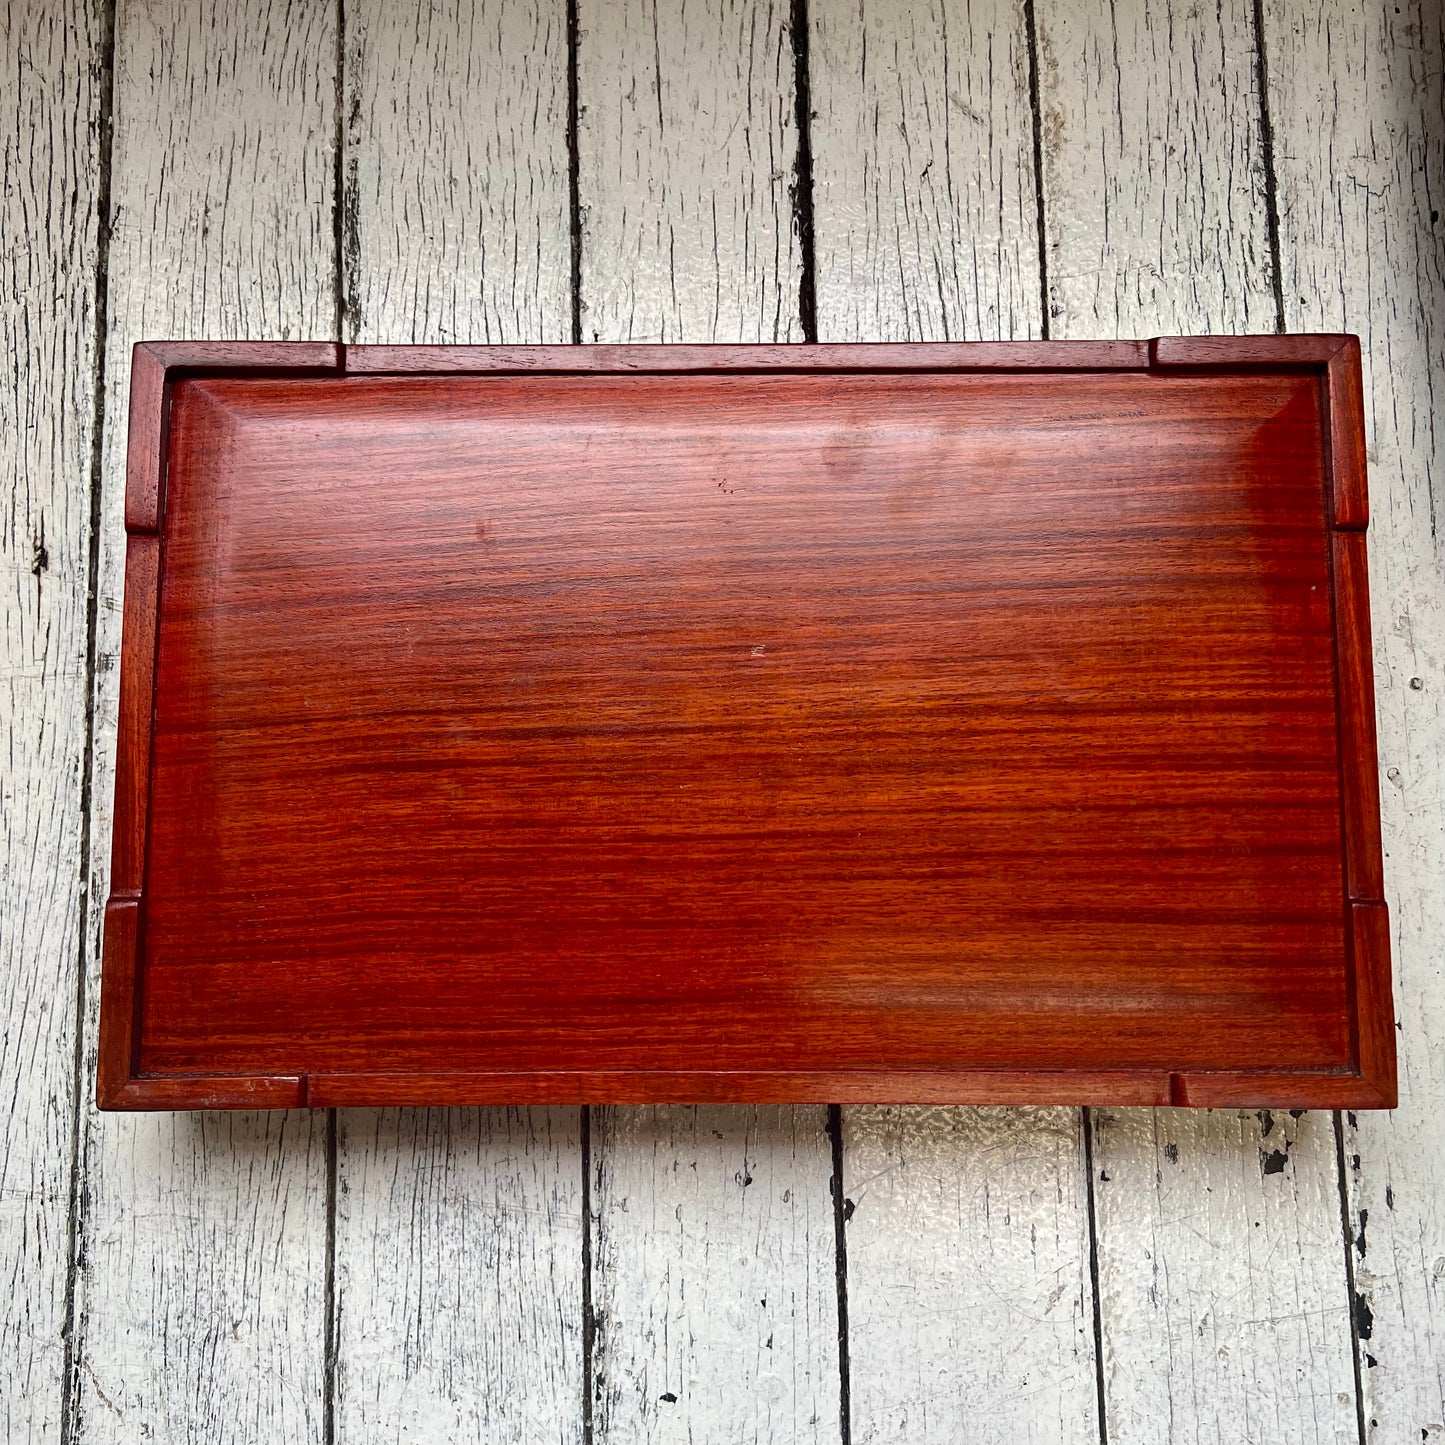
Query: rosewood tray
x=975, y=723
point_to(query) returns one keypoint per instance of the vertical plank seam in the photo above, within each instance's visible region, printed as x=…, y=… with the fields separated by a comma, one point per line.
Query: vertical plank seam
x=1355, y=1300
x=1352, y=1300
x=574, y=176
x=330, y=1346
x=589, y=1324
x=1086, y=1120
x=802, y=187
x=72, y=1326
x=803, y=225
x=1266, y=146
x=1031, y=30
x=345, y=243
x=1271, y=199
x=840, y=1247
x=574, y=209
x=1087, y=1117
x=346, y=233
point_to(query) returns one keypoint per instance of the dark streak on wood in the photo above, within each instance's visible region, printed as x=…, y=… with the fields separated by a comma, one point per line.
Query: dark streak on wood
x=841, y=1212
x=75, y=1323
x=1351, y=1293
x=574, y=174
x=802, y=188
x=1086, y=1125
x=345, y=245
x=1271, y=180
x=1031, y=30
x=589, y=1315
x=331, y=1304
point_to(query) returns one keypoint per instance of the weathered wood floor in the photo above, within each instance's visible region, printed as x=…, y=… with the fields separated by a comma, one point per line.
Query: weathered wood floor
x=700, y=170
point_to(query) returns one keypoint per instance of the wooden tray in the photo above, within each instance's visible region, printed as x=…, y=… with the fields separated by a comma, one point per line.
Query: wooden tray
x=977, y=723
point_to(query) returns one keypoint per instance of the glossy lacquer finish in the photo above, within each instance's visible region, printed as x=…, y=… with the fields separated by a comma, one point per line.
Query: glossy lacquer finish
x=965, y=723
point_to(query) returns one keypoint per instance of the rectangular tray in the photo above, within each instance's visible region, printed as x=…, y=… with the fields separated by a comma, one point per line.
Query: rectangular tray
x=972, y=723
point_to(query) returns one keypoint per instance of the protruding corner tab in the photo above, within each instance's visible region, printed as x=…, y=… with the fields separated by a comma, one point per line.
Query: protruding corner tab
x=120, y=946
x=1349, y=489
x=1222, y=352
x=144, y=460
x=1355, y=704
x=1374, y=1000
x=137, y=705
x=182, y=1091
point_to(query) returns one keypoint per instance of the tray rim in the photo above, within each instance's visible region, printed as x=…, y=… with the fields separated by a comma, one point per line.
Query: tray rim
x=1334, y=357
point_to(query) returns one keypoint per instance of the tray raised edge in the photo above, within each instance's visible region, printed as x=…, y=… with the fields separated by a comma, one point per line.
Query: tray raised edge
x=1336, y=358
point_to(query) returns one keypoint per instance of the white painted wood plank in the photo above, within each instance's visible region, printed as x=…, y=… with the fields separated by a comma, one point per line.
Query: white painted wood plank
x=458, y=1232
x=688, y=149
x=1157, y=221
x=49, y=180
x=1222, y=1276
x=201, y=1300
x=1357, y=96
x=970, y=1311
x=714, y=1275
x=925, y=210
x=458, y=1276
x=456, y=172
x=1154, y=177
x=687, y=143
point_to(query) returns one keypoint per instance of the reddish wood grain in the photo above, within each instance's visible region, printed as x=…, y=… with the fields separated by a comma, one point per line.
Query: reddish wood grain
x=1338, y=357
x=152, y=362
x=858, y=356
x=119, y=1002
x=703, y=727
x=1342, y=1090
x=1347, y=437
x=137, y=702
x=1374, y=1005
x=1232, y=353
x=1359, y=775
x=857, y=1086
x=222, y=1091
x=145, y=442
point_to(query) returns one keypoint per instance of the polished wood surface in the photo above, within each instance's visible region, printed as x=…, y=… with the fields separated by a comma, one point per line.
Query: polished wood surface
x=971, y=723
